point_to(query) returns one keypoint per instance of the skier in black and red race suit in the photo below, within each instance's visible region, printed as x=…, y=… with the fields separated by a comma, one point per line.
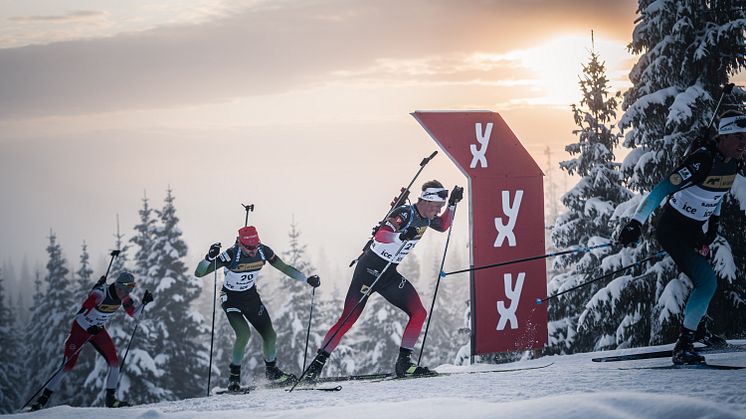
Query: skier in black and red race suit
x=401, y=232
x=88, y=327
x=241, y=301
x=697, y=188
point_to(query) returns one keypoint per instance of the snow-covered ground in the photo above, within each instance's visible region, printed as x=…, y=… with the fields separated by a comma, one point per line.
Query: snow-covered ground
x=573, y=387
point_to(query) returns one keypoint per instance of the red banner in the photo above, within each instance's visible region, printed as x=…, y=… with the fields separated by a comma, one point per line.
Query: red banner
x=506, y=222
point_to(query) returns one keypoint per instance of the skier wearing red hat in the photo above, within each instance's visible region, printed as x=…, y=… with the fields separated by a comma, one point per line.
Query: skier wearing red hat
x=241, y=301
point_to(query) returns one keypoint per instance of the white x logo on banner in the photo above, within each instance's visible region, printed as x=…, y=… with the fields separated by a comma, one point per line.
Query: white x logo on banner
x=514, y=295
x=483, y=138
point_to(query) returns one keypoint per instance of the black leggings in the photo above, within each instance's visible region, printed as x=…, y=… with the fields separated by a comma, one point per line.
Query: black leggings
x=240, y=306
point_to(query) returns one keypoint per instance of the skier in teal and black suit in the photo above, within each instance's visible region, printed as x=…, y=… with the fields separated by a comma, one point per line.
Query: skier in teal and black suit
x=697, y=188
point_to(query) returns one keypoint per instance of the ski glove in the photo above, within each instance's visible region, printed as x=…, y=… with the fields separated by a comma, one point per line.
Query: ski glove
x=147, y=297
x=94, y=330
x=456, y=196
x=408, y=234
x=313, y=281
x=630, y=233
x=213, y=252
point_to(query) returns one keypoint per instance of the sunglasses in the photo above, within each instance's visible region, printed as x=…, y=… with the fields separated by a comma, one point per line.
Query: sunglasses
x=127, y=286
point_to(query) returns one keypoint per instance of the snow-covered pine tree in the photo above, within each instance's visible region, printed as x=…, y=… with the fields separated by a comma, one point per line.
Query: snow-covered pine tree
x=140, y=381
x=291, y=320
x=380, y=329
x=178, y=329
x=688, y=49
x=11, y=374
x=590, y=205
x=51, y=318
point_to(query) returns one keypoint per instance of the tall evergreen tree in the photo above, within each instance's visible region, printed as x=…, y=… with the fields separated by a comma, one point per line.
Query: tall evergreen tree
x=291, y=320
x=50, y=319
x=688, y=49
x=590, y=205
x=10, y=356
x=179, y=329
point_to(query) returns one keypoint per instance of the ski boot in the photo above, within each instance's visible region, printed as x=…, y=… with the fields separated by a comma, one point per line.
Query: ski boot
x=406, y=368
x=234, y=379
x=276, y=376
x=112, y=401
x=41, y=401
x=707, y=338
x=314, y=370
x=683, y=352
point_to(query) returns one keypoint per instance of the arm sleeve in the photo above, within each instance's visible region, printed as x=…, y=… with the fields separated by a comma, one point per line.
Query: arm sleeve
x=385, y=234
x=653, y=200
x=93, y=299
x=443, y=222
x=205, y=266
x=288, y=270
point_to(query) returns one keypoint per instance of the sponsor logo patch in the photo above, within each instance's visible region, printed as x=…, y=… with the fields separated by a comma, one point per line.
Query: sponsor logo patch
x=675, y=179
x=685, y=173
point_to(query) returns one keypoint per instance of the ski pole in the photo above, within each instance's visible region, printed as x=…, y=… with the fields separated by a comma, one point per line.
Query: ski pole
x=396, y=203
x=64, y=361
x=658, y=255
x=437, y=284
x=308, y=332
x=214, y=298
x=366, y=294
x=132, y=337
x=248, y=208
x=727, y=89
x=582, y=249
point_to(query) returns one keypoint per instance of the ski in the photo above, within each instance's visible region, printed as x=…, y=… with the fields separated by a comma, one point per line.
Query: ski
x=668, y=353
x=359, y=377
x=446, y=374
x=687, y=367
x=249, y=389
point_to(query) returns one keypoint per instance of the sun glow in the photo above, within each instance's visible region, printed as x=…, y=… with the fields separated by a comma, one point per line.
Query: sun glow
x=556, y=66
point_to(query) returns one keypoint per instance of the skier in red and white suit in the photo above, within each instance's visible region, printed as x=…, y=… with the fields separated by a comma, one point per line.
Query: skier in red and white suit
x=88, y=326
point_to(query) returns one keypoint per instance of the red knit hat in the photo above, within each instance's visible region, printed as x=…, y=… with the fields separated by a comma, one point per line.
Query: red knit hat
x=248, y=236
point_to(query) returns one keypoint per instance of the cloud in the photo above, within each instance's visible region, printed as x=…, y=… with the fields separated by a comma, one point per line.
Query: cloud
x=282, y=46
x=72, y=16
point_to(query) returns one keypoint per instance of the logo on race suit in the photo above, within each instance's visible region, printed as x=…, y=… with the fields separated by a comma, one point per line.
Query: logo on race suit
x=724, y=182
x=107, y=308
x=261, y=310
x=675, y=179
x=505, y=230
x=252, y=266
x=507, y=314
x=364, y=289
x=483, y=138
x=695, y=166
x=684, y=173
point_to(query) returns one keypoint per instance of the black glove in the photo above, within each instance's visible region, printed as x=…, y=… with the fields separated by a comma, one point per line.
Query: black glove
x=147, y=297
x=213, y=252
x=457, y=194
x=712, y=229
x=313, y=281
x=408, y=234
x=94, y=330
x=630, y=233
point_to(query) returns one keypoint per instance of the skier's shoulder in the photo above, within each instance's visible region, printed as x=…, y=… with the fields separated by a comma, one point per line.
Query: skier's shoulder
x=694, y=167
x=266, y=251
x=401, y=215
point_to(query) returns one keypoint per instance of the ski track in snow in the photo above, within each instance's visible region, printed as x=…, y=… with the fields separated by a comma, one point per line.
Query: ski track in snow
x=574, y=387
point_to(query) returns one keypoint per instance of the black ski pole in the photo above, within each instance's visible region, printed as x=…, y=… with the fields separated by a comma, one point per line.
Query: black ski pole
x=308, y=331
x=658, y=255
x=528, y=259
x=396, y=203
x=360, y=301
x=132, y=337
x=64, y=361
x=212, y=328
x=437, y=284
x=248, y=208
